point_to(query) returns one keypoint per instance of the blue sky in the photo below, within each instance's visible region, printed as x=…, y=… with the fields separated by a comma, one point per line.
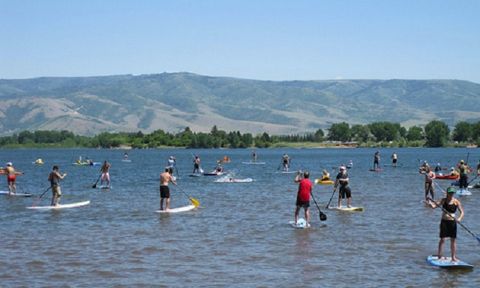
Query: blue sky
x=267, y=40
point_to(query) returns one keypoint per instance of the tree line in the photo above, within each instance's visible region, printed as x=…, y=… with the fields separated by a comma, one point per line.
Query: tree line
x=435, y=134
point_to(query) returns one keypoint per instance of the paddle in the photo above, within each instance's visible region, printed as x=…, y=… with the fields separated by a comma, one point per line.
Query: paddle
x=329, y=201
x=460, y=223
x=40, y=197
x=95, y=185
x=194, y=201
x=323, y=216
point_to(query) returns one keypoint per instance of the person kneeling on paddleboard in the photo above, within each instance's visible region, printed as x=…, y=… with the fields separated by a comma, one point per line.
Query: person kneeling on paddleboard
x=303, y=195
x=165, y=178
x=344, y=191
x=54, y=179
x=448, y=224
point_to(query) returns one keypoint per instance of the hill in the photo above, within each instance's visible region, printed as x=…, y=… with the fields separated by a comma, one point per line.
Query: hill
x=173, y=101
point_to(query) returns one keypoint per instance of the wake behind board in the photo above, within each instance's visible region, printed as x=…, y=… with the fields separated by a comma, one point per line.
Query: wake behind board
x=177, y=210
x=254, y=163
x=6, y=193
x=446, y=262
x=346, y=209
x=301, y=224
x=60, y=206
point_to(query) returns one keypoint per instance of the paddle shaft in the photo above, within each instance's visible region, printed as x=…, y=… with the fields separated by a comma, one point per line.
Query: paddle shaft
x=95, y=185
x=331, y=197
x=194, y=201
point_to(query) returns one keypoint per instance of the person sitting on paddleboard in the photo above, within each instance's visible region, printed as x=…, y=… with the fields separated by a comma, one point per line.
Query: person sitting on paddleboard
x=11, y=177
x=376, y=160
x=438, y=168
x=125, y=156
x=165, y=178
x=453, y=172
x=394, y=159
x=105, y=173
x=325, y=175
x=54, y=177
x=303, y=195
x=448, y=224
x=344, y=191
x=429, y=176
x=196, y=164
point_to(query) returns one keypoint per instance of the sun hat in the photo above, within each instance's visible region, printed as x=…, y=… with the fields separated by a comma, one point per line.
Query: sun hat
x=342, y=168
x=451, y=190
x=9, y=164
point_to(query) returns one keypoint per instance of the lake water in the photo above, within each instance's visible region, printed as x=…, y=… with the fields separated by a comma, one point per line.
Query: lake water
x=240, y=236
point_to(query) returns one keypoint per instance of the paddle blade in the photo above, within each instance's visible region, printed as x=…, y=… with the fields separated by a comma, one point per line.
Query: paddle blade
x=195, y=202
x=94, y=186
x=323, y=216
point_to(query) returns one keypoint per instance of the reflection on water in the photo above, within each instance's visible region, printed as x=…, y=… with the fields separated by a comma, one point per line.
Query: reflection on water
x=240, y=235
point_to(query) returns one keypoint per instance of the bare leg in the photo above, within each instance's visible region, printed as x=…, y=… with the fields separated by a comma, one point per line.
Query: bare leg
x=167, y=204
x=161, y=203
x=349, y=201
x=453, y=248
x=440, y=247
x=339, y=201
x=297, y=209
x=307, y=215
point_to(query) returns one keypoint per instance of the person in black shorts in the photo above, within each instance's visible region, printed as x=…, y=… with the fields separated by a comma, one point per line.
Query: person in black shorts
x=448, y=224
x=165, y=178
x=344, y=191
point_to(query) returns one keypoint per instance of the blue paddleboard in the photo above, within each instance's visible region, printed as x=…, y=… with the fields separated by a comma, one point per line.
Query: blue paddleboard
x=446, y=262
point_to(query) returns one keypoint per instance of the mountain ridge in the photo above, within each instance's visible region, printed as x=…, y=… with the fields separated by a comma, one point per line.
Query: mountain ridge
x=173, y=101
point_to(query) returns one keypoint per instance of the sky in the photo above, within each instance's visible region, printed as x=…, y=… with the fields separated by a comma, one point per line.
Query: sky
x=262, y=39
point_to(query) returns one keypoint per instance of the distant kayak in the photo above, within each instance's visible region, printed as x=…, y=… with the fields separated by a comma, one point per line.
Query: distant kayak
x=86, y=163
x=446, y=177
x=214, y=173
x=324, y=182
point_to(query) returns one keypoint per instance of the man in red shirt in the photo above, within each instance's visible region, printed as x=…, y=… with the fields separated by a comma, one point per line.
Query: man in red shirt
x=303, y=195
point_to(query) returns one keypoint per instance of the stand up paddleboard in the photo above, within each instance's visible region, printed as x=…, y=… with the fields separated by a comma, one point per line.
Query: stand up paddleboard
x=446, y=262
x=346, y=209
x=177, y=210
x=6, y=193
x=60, y=206
x=127, y=160
x=463, y=192
x=375, y=170
x=301, y=224
x=195, y=175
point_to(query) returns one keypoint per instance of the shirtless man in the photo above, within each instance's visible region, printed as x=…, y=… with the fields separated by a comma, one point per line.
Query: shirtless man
x=11, y=178
x=165, y=178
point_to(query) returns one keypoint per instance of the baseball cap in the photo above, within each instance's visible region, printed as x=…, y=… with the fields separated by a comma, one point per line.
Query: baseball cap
x=451, y=190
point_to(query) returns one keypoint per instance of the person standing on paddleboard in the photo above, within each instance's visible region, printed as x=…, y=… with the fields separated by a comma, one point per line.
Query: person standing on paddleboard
x=394, y=159
x=344, y=191
x=11, y=177
x=54, y=178
x=376, y=160
x=165, y=178
x=463, y=170
x=285, y=162
x=196, y=164
x=448, y=224
x=105, y=170
x=254, y=156
x=303, y=195
x=429, y=176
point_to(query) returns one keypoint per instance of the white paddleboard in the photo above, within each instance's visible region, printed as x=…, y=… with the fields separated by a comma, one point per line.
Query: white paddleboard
x=6, y=193
x=104, y=187
x=126, y=160
x=301, y=224
x=346, y=209
x=234, y=180
x=446, y=262
x=463, y=192
x=60, y=206
x=195, y=175
x=254, y=163
x=177, y=210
